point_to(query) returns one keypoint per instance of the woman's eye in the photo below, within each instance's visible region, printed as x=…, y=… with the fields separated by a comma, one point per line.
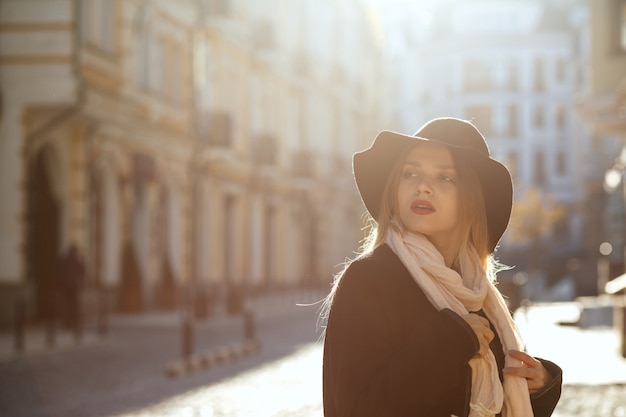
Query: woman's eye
x=446, y=178
x=410, y=174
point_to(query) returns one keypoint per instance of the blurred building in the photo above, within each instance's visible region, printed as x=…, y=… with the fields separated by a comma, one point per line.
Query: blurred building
x=603, y=106
x=201, y=145
x=514, y=68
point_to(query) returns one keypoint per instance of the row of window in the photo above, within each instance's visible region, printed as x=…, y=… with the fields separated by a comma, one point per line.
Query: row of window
x=505, y=120
x=480, y=76
x=159, y=58
x=542, y=166
x=159, y=64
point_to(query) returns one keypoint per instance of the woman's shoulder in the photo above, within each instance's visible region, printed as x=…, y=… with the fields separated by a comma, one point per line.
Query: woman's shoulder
x=380, y=275
x=381, y=257
x=368, y=276
x=370, y=266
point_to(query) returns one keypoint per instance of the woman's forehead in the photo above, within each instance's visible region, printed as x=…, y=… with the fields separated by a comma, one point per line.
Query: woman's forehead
x=430, y=153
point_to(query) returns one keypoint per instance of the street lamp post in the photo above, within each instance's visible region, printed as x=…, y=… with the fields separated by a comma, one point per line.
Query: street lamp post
x=613, y=179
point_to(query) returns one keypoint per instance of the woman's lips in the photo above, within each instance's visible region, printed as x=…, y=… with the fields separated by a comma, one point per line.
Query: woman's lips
x=422, y=207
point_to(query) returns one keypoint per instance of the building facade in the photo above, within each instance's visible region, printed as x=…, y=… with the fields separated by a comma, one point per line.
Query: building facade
x=603, y=107
x=191, y=150
x=515, y=68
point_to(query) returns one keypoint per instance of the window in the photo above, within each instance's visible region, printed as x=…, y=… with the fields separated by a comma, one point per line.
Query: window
x=499, y=119
x=513, y=122
x=560, y=118
x=500, y=74
x=145, y=47
x=172, y=62
x=540, y=169
x=539, y=117
x=98, y=24
x=159, y=61
x=142, y=59
x=155, y=63
x=513, y=78
x=481, y=116
x=512, y=163
x=561, y=70
x=538, y=75
x=561, y=164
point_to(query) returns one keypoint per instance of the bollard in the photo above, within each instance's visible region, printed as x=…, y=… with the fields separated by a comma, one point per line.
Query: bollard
x=620, y=323
x=78, y=318
x=249, y=329
x=20, y=324
x=51, y=321
x=103, y=310
x=187, y=337
x=623, y=331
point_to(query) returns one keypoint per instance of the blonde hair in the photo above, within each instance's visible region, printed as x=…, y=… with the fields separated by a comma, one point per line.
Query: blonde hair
x=474, y=229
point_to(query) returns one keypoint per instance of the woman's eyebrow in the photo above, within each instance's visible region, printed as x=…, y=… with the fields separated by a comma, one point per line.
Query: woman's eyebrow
x=419, y=164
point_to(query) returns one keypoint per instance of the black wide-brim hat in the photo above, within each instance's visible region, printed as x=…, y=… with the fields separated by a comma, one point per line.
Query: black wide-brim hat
x=373, y=166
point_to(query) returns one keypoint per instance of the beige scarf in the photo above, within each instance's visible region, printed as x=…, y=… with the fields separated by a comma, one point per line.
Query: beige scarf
x=471, y=292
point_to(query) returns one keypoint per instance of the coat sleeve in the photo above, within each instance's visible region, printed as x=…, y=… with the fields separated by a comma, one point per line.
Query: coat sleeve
x=365, y=374
x=545, y=400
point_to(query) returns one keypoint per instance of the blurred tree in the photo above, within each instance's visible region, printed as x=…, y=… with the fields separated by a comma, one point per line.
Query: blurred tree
x=533, y=217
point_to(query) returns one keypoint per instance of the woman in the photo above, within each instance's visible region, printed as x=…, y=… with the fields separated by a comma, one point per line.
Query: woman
x=415, y=324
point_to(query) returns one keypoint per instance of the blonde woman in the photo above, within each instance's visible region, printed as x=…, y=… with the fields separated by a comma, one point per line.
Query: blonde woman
x=415, y=324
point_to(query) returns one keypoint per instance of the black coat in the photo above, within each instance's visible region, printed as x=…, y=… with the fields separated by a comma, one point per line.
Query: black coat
x=389, y=352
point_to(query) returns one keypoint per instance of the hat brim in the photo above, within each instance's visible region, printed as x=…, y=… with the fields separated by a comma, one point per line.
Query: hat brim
x=373, y=166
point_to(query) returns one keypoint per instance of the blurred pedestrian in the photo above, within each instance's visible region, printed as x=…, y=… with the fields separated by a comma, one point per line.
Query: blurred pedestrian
x=416, y=326
x=71, y=274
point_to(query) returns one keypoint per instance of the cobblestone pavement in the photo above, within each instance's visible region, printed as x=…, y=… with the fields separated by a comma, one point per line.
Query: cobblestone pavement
x=594, y=374
x=288, y=387
x=592, y=401
x=283, y=379
x=291, y=387
x=125, y=373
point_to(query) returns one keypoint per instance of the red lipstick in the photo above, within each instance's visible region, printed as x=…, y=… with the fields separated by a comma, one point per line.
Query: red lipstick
x=422, y=207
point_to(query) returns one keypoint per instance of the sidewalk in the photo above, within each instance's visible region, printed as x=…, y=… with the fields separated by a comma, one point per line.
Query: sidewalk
x=128, y=370
x=263, y=307
x=588, y=356
x=35, y=342
x=124, y=371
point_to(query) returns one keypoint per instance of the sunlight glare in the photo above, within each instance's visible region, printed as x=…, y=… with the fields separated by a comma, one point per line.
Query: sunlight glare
x=296, y=387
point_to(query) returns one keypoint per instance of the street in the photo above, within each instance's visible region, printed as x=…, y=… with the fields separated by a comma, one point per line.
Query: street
x=287, y=387
x=123, y=375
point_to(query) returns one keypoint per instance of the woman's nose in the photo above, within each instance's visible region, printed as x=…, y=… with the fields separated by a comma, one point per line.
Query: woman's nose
x=424, y=185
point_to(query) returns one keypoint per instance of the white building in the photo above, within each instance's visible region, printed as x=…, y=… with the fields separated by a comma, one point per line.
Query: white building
x=513, y=68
